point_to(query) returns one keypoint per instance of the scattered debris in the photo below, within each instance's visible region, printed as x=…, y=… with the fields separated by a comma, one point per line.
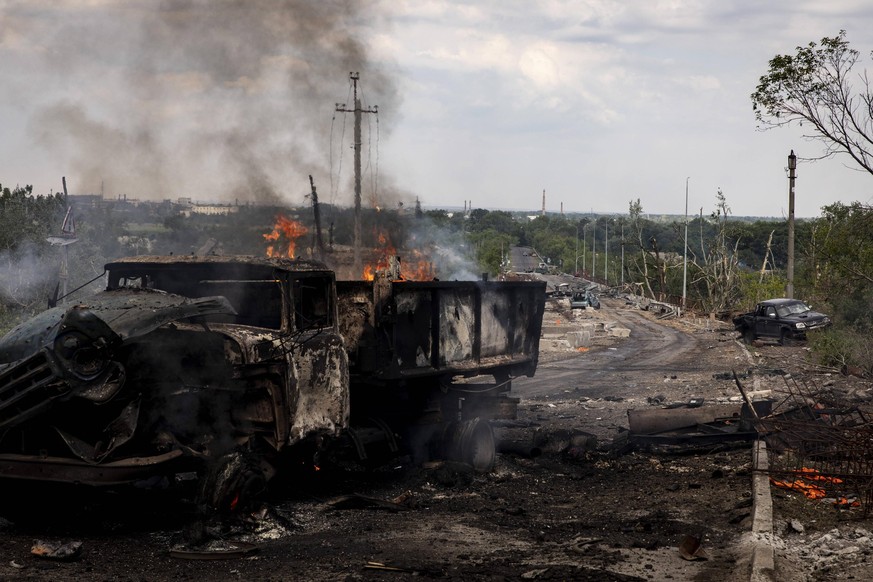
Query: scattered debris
x=56, y=550
x=690, y=549
x=355, y=501
x=820, y=444
x=215, y=550
x=384, y=567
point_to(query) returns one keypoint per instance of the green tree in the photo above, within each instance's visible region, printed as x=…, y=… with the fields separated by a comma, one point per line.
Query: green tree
x=28, y=263
x=815, y=89
x=844, y=265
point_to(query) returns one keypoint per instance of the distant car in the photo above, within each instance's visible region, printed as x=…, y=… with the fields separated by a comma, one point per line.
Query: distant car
x=579, y=300
x=593, y=300
x=782, y=319
x=583, y=300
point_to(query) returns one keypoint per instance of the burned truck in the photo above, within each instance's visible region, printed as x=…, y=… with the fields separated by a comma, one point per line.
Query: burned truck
x=219, y=371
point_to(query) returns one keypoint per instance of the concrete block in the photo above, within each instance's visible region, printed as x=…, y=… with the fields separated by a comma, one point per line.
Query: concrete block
x=619, y=332
x=578, y=339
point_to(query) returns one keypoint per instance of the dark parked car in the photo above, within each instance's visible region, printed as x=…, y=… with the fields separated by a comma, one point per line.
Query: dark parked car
x=781, y=319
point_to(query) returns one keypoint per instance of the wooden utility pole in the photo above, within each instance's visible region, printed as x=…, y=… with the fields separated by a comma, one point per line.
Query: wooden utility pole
x=316, y=211
x=66, y=238
x=357, y=111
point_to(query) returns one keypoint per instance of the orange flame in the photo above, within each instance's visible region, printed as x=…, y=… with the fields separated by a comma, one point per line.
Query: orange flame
x=416, y=269
x=291, y=230
x=419, y=268
x=387, y=250
x=801, y=483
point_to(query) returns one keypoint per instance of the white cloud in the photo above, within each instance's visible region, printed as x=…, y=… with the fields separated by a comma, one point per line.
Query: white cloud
x=537, y=63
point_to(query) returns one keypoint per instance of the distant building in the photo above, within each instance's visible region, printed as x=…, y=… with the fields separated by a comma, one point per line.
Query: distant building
x=86, y=200
x=214, y=209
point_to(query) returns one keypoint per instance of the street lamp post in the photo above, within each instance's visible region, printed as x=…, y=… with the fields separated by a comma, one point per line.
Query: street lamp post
x=606, y=251
x=685, y=256
x=621, y=221
x=594, y=248
x=792, y=165
x=576, y=266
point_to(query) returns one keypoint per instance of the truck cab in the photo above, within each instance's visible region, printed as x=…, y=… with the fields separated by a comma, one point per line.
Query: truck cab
x=181, y=365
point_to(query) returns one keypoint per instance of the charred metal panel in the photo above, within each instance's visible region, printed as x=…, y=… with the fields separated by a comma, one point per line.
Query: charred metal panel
x=414, y=323
x=123, y=313
x=67, y=470
x=457, y=327
x=498, y=338
x=77, y=356
x=356, y=312
x=223, y=263
x=407, y=329
x=321, y=390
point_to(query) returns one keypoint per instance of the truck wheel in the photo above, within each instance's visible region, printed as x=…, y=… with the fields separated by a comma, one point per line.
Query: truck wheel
x=748, y=335
x=785, y=338
x=234, y=482
x=471, y=442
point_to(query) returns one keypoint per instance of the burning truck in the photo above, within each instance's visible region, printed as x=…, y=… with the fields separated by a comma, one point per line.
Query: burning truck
x=221, y=371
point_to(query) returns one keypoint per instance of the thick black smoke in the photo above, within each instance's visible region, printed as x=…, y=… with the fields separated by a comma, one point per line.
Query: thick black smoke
x=215, y=100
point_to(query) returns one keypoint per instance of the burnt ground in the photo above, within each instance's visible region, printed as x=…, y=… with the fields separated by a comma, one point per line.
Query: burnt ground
x=590, y=507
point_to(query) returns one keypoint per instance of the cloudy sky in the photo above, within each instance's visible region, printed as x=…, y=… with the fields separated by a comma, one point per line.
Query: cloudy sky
x=597, y=102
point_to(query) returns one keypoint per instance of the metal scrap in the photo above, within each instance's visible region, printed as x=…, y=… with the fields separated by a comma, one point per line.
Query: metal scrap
x=216, y=550
x=821, y=446
x=56, y=550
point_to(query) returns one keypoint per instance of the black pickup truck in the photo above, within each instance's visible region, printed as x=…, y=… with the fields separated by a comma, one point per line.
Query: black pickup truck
x=781, y=319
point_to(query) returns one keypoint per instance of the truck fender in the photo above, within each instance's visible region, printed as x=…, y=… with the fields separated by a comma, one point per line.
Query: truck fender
x=322, y=388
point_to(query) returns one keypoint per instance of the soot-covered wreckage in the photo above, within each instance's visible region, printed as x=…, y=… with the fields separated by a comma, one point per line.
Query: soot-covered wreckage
x=221, y=370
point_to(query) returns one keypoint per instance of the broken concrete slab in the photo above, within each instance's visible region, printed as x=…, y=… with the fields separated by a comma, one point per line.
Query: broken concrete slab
x=578, y=339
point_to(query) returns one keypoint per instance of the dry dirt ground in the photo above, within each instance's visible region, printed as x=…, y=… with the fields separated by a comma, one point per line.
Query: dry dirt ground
x=590, y=507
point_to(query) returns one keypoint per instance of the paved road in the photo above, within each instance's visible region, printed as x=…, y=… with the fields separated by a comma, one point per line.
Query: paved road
x=593, y=391
x=523, y=259
x=651, y=347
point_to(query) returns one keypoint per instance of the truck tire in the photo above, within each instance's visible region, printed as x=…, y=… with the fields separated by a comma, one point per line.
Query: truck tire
x=749, y=335
x=785, y=338
x=471, y=442
x=234, y=482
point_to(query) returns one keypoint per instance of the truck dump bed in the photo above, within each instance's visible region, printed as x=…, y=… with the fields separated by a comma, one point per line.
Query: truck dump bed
x=398, y=330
